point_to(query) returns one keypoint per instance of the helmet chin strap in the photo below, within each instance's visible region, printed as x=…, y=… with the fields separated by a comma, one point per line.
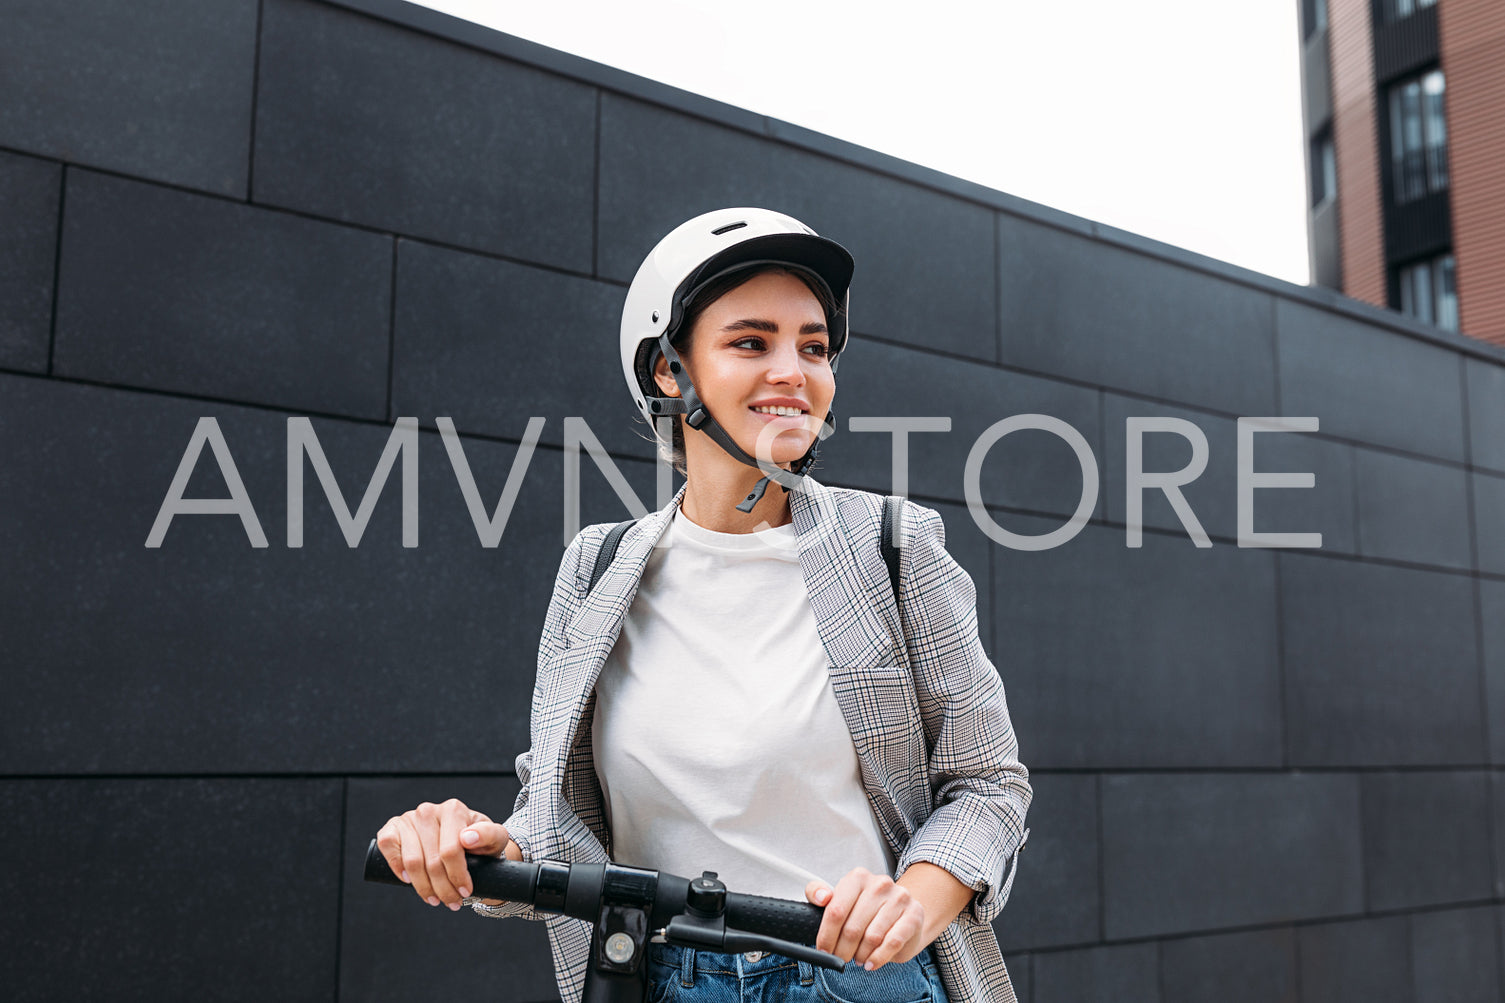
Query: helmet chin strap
x=697, y=416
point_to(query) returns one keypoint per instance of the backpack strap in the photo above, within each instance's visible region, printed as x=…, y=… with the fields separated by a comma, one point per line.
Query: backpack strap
x=608, y=551
x=893, y=507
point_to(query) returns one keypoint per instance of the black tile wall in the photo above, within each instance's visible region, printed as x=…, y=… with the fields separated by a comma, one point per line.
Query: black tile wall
x=1426, y=839
x=1367, y=383
x=1087, y=310
x=1355, y=962
x=364, y=122
x=1489, y=522
x=1021, y=968
x=29, y=194
x=1275, y=847
x=1325, y=508
x=1412, y=510
x=439, y=227
x=1028, y=469
x=174, y=291
x=1254, y=967
x=1381, y=666
x=931, y=287
x=170, y=889
x=1497, y=818
x=1456, y=955
x=1486, y=412
x=208, y=655
x=1212, y=496
x=1055, y=900
x=393, y=946
x=1492, y=632
x=156, y=88
x=1162, y=656
x=1126, y=972
x=491, y=344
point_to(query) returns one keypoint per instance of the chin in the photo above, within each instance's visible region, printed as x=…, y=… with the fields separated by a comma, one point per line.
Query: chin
x=784, y=450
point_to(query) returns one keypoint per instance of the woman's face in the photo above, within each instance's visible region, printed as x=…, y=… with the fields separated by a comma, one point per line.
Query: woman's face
x=756, y=354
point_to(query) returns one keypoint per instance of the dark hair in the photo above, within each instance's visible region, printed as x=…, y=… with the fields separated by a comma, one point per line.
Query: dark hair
x=674, y=450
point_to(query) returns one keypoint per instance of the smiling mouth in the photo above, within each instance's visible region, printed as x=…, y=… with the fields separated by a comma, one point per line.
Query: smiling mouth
x=782, y=412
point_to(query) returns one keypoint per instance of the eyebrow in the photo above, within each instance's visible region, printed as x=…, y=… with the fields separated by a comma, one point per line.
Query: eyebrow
x=769, y=327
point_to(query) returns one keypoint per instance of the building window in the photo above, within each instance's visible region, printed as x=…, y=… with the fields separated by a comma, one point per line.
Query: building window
x=1428, y=291
x=1314, y=16
x=1418, y=137
x=1398, y=10
x=1324, y=170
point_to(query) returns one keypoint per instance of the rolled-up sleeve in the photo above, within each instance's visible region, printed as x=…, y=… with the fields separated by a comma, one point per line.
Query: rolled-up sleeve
x=980, y=790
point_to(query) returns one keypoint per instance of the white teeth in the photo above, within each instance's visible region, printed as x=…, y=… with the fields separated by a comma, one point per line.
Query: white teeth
x=785, y=411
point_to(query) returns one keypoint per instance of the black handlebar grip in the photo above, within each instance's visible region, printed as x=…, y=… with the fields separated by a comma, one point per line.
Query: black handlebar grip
x=781, y=918
x=377, y=868
x=491, y=877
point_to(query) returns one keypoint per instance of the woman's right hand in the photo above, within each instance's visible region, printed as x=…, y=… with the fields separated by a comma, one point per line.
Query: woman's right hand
x=426, y=847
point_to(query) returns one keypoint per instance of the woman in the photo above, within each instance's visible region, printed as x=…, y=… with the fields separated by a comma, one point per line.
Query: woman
x=741, y=690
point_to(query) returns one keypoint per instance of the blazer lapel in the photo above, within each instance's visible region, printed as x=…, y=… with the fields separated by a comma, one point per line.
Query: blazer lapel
x=853, y=620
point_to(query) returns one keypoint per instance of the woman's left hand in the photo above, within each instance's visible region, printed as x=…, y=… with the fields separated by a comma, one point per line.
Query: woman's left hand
x=870, y=919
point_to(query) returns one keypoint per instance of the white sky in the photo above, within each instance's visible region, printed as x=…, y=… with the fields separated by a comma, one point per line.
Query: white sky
x=1177, y=119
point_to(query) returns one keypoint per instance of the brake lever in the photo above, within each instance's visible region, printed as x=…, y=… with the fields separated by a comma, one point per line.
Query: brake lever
x=712, y=934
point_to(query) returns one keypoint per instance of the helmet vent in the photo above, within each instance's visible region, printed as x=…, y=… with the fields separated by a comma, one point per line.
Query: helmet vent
x=728, y=228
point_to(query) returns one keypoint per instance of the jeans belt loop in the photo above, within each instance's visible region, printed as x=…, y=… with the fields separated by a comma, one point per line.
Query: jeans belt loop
x=687, y=966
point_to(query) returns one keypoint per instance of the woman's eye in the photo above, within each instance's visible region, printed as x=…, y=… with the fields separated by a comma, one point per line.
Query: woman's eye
x=817, y=349
x=752, y=343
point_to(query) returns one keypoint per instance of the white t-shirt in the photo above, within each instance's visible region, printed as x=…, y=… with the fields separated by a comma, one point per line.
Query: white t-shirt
x=718, y=741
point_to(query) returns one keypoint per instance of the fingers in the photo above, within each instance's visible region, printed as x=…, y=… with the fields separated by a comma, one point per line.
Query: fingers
x=484, y=838
x=426, y=847
x=869, y=919
x=839, y=908
x=892, y=931
x=455, y=885
x=414, y=857
x=865, y=906
x=390, y=845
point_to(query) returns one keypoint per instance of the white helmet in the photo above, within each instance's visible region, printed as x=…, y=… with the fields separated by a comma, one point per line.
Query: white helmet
x=692, y=254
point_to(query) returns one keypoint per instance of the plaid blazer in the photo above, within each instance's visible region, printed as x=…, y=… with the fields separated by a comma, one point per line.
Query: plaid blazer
x=925, y=706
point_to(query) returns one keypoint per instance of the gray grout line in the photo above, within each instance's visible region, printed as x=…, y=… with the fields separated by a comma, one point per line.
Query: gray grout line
x=255, y=94
x=57, y=267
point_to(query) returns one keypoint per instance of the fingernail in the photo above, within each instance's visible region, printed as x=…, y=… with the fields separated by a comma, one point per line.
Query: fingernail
x=868, y=965
x=470, y=837
x=824, y=896
x=465, y=893
x=454, y=907
x=431, y=900
x=404, y=877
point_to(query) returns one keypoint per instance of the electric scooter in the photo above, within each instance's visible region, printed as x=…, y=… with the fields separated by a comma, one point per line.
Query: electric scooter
x=628, y=905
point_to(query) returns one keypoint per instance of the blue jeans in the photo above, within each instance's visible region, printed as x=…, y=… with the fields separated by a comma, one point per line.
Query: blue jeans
x=680, y=975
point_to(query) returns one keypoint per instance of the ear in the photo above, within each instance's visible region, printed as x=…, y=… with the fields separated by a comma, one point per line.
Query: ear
x=664, y=378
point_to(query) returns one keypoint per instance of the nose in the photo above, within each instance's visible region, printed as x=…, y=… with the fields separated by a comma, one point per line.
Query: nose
x=784, y=365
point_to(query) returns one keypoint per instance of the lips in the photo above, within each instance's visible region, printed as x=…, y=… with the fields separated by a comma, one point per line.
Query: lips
x=782, y=403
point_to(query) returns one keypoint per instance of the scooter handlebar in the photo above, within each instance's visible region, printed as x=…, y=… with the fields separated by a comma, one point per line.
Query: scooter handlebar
x=517, y=881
